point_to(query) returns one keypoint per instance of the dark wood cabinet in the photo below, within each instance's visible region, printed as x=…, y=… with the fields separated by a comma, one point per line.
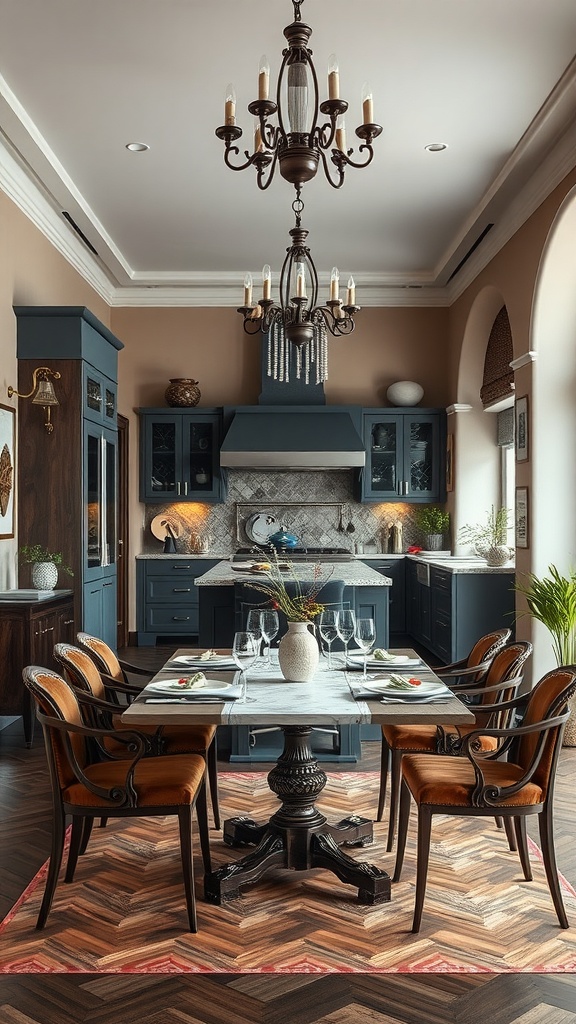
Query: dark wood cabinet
x=405, y=455
x=70, y=476
x=180, y=455
x=28, y=632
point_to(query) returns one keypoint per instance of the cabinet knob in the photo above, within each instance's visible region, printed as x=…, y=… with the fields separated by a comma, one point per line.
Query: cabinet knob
x=68, y=622
x=49, y=629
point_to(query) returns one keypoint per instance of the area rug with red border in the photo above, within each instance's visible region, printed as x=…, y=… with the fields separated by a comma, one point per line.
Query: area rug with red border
x=125, y=912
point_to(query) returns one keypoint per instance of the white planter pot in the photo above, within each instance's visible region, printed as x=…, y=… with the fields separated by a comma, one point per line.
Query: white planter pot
x=44, y=575
x=298, y=653
x=498, y=554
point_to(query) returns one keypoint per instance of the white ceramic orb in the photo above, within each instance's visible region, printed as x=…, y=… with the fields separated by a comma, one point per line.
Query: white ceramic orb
x=405, y=392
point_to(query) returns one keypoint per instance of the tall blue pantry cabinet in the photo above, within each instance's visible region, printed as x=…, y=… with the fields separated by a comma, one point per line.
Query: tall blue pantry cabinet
x=68, y=480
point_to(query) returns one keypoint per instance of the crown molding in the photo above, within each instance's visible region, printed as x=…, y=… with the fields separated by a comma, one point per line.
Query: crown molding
x=524, y=360
x=203, y=289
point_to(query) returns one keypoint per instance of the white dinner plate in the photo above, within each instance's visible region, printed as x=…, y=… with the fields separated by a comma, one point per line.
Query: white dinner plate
x=384, y=688
x=210, y=687
x=398, y=661
x=192, y=661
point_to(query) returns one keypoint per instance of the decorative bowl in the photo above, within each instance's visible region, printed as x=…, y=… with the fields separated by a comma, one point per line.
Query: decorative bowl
x=405, y=392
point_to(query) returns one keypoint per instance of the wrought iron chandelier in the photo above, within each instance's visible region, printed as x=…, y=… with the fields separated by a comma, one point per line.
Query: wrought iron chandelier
x=297, y=319
x=298, y=142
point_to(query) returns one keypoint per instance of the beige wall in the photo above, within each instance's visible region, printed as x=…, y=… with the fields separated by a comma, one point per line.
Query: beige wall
x=210, y=345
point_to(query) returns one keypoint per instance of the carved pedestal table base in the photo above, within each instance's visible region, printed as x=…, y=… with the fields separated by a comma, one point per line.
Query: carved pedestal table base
x=297, y=836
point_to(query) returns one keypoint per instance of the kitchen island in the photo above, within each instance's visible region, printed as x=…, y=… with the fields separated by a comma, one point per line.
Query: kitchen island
x=366, y=592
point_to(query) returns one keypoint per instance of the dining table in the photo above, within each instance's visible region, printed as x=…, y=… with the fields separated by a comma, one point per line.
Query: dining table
x=298, y=835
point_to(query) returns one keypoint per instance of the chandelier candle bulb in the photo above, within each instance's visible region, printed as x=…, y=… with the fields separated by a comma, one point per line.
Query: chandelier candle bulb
x=266, y=281
x=351, y=292
x=263, y=78
x=367, y=104
x=300, y=281
x=230, y=105
x=334, y=283
x=248, y=290
x=333, y=78
x=340, y=133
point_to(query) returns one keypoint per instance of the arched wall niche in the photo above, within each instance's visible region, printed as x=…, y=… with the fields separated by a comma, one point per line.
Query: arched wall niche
x=552, y=480
x=476, y=470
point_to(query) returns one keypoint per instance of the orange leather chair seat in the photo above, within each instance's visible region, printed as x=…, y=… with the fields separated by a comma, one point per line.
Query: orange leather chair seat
x=158, y=781
x=450, y=781
x=423, y=737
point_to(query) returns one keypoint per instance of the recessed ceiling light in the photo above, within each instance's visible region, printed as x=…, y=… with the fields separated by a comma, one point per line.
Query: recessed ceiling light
x=137, y=147
x=436, y=147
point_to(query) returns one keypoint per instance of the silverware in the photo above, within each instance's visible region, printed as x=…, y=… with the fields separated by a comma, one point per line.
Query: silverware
x=418, y=700
x=182, y=700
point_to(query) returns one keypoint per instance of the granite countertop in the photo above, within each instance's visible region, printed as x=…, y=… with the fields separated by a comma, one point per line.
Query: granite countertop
x=354, y=574
x=463, y=565
x=182, y=554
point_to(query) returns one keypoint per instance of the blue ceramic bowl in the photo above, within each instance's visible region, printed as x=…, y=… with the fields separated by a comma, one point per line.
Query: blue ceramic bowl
x=283, y=540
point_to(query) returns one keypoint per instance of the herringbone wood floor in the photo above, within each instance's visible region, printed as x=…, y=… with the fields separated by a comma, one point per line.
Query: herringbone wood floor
x=339, y=999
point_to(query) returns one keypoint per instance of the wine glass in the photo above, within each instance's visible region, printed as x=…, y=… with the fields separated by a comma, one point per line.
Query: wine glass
x=328, y=626
x=254, y=625
x=244, y=653
x=270, y=624
x=365, y=635
x=346, y=627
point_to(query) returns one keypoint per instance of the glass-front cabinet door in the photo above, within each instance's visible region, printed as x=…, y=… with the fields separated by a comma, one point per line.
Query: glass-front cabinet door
x=404, y=456
x=100, y=496
x=179, y=456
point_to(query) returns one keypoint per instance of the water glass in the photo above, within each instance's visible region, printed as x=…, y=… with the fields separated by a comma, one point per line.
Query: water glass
x=269, y=624
x=244, y=653
x=346, y=627
x=365, y=635
x=328, y=626
x=254, y=625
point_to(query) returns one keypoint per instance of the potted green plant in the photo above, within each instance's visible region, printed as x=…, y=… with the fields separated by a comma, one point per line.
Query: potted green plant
x=490, y=538
x=434, y=523
x=552, y=601
x=45, y=565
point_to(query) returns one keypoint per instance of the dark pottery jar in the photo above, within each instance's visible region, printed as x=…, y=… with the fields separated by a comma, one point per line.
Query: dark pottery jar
x=182, y=391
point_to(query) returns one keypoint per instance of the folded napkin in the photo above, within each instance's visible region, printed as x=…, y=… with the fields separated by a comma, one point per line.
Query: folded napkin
x=399, y=664
x=221, y=662
x=191, y=696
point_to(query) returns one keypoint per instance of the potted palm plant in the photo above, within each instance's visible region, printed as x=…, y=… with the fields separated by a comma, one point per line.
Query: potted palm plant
x=552, y=601
x=45, y=565
x=490, y=538
x=434, y=523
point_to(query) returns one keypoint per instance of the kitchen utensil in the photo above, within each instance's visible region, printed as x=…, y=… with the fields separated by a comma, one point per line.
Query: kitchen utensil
x=159, y=526
x=283, y=539
x=260, y=526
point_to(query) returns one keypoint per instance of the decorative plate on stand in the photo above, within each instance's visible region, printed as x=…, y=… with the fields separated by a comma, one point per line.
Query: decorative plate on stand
x=260, y=527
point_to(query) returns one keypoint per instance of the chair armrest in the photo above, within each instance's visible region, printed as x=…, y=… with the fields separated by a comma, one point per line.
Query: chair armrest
x=137, y=670
x=113, y=684
x=462, y=673
x=506, y=684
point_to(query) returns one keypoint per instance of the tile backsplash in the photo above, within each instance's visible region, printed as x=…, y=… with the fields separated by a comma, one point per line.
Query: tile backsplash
x=317, y=507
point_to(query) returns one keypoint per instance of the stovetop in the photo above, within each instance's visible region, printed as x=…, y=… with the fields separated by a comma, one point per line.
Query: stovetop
x=297, y=554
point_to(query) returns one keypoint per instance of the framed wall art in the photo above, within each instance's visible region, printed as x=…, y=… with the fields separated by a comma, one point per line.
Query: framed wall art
x=521, y=518
x=521, y=428
x=7, y=470
x=450, y=462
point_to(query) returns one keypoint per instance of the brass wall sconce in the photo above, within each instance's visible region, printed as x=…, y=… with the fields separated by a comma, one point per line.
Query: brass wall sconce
x=43, y=391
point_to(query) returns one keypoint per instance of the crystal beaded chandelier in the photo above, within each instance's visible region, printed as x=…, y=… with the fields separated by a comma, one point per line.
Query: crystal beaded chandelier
x=297, y=319
x=297, y=144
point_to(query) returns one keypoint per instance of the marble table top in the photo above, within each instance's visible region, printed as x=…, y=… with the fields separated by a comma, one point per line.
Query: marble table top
x=326, y=700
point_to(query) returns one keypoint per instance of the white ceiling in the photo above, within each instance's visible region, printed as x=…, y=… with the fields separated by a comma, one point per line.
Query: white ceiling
x=494, y=79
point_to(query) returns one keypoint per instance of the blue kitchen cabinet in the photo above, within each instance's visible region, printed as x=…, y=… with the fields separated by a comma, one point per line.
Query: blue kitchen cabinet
x=180, y=455
x=405, y=455
x=167, y=603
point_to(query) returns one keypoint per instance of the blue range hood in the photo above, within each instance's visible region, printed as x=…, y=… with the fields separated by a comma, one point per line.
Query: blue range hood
x=288, y=438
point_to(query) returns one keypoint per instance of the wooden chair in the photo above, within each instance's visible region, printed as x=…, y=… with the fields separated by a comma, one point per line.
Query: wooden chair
x=126, y=784
x=109, y=663
x=504, y=666
x=480, y=783
x=82, y=671
x=471, y=669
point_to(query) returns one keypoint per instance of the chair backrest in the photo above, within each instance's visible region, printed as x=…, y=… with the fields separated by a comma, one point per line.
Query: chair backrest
x=487, y=646
x=547, y=700
x=103, y=655
x=80, y=670
x=246, y=598
x=55, y=698
x=506, y=664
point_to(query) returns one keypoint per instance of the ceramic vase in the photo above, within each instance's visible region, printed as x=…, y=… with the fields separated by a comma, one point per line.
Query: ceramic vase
x=44, y=575
x=183, y=392
x=433, y=541
x=298, y=653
